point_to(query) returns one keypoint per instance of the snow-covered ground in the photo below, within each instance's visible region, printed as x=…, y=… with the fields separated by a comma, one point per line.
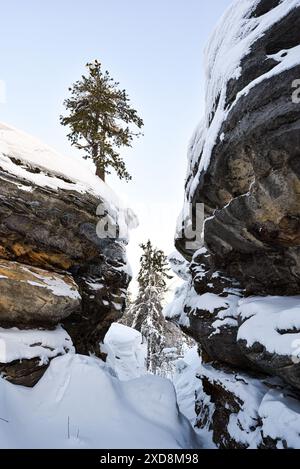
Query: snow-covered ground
x=81, y=403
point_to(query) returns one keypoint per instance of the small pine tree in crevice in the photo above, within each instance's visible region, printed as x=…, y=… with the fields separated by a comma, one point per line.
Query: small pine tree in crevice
x=100, y=119
x=145, y=313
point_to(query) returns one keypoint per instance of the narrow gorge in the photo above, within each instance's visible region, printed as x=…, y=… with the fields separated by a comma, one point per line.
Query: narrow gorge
x=71, y=370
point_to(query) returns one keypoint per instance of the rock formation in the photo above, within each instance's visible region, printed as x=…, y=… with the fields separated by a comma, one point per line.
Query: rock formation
x=54, y=268
x=242, y=302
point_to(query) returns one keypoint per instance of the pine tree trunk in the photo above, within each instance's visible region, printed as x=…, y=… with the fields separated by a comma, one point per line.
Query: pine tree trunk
x=100, y=172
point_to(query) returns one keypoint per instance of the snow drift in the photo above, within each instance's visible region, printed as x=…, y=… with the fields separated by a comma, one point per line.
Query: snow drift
x=79, y=403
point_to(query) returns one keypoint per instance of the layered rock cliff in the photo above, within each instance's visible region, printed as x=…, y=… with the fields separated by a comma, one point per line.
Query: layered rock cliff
x=242, y=302
x=62, y=284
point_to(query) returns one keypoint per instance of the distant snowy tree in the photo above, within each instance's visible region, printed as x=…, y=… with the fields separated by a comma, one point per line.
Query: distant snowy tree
x=99, y=119
x=145, y=313
x=128, y=300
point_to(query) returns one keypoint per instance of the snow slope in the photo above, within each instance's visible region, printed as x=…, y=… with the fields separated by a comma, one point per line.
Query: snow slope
x=79, y=403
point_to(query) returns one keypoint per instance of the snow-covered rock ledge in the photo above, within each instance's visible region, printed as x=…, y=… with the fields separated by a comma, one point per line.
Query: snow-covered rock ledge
x=38, y=164
x=25, y=354
x=44, y=297
x=244, y=412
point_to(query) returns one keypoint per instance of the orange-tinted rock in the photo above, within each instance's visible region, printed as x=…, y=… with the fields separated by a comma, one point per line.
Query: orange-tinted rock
x=32, y=296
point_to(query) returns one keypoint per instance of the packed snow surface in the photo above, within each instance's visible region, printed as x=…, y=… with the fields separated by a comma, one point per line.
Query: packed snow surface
x=79, y=403
x=187, y=384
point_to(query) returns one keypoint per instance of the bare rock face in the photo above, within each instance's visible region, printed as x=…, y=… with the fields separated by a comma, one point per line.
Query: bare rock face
x=272, y=363
x=55, y=230
x=103, y=285
x=31, y=296
x=242, y=304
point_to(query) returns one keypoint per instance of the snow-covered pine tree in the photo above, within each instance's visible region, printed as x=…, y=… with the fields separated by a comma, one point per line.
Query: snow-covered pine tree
x=99, y=119
x=145, y=313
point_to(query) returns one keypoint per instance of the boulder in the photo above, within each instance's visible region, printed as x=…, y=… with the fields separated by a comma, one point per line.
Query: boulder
x=32, y=296
x=103, y=286
x=211, y=311
x=23, y=372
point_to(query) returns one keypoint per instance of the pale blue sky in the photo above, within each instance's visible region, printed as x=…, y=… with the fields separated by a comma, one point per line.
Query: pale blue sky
x=153, y=48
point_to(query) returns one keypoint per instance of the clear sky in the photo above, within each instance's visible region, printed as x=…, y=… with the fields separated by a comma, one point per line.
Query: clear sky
x=154, y=48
